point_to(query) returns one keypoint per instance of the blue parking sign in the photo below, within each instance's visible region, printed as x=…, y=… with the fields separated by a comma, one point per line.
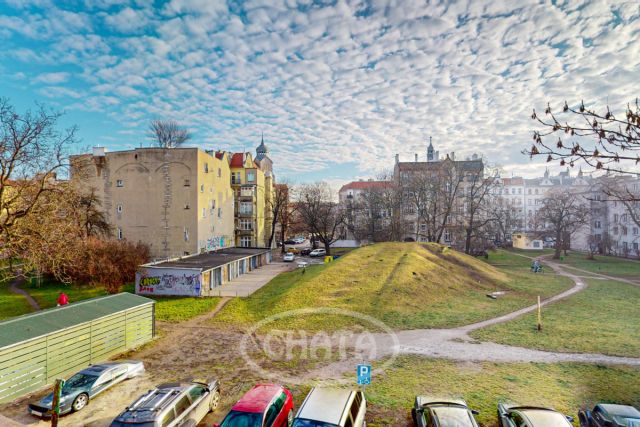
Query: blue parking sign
x=364, y=374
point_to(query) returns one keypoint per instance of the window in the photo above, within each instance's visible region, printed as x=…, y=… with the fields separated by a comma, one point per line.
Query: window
x=624, y=230
x=246, y=224
x=245, y=241
x=186, y=207
x=119, y=208
x=196, y=393
x=615, y=217
x=597, y=224
x=187, y=183
x=219, y=212
x=182, y=405
x=536, y=191
x=119, y=183
x=251, y=176
x=204, y=212
x=202, y=188
x=355, y=406
x=168, y=419
x=206, y=168
x=235, y=178
x=246, y=208
x=615, y=230
x=272, y=413
x=186, y=234
x=519, y=190
x=635, y=231
x=219, y=172
x=529, y=192
x=119, y=233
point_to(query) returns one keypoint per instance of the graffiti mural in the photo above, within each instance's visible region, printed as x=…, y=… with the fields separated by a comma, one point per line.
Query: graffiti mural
x=213, y=243
x=168, y=282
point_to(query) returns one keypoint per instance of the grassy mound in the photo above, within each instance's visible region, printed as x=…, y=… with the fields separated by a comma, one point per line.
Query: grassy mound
x=405, y=285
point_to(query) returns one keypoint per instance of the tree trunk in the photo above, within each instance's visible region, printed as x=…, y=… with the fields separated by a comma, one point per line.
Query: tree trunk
x=558, y=248
x=467, y=242
x=327, y=247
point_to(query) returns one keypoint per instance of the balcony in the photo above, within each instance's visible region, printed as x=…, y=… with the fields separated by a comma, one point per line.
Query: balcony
x=243, y=232
x=244, y=214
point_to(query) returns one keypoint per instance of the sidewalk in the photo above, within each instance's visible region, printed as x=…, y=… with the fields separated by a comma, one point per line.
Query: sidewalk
x=247, y=284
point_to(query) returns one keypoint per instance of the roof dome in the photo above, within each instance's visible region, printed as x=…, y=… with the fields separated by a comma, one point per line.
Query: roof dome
x=262, y=151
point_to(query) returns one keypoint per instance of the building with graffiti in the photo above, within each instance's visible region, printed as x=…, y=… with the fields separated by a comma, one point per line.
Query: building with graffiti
x=180, y=201
x=199, y=275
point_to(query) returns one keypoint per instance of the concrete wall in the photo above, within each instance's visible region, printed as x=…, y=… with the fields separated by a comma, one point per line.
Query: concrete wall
x=168, y=281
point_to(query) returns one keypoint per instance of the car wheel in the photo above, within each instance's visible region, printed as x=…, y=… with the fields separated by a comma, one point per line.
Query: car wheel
x=290, y=418
x=80, y=402
x=215, y=401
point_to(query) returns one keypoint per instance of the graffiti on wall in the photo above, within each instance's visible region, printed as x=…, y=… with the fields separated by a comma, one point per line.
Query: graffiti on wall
x=213, y=243
x=168, y=282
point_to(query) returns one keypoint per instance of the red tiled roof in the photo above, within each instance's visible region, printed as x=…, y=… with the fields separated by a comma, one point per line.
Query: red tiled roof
x=361, y=185
x=237, y=160
x=220, y=155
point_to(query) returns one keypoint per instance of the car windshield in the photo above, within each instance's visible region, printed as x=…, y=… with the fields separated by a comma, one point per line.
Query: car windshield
x=242, y=419
x=311, y=423
x=543, y=418
x=78, y=381
x=450, y=416
x=628, y=422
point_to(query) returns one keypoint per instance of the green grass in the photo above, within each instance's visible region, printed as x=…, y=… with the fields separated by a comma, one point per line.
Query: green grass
x=603, y=318
x=406, y=285
x=12, y=304
x=608, y=265
x=567, y=387
x=46, y=295
x=178, y=309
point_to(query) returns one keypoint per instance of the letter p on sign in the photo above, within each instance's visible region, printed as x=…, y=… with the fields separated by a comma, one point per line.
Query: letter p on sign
x=364, y=374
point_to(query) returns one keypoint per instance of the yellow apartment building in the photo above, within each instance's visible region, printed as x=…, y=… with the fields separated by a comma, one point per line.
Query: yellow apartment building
x=178, y=201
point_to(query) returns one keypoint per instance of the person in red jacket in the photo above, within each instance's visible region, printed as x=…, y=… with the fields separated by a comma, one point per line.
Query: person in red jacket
x=63, y=299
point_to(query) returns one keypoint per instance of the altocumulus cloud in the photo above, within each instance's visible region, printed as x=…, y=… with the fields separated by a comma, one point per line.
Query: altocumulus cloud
x=345, y=83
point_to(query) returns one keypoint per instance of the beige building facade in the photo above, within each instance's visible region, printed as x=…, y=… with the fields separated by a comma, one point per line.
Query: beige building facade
x=178, y=201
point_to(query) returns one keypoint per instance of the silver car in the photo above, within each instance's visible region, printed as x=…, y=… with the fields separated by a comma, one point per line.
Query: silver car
x=181, y=404
x=87, y=384
x=329, y=407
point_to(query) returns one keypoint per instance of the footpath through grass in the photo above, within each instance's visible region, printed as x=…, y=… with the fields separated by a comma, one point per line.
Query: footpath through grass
x=609, y=265
x=12, y=304
x=603, y=318
x=567, y=387
x=405, y=285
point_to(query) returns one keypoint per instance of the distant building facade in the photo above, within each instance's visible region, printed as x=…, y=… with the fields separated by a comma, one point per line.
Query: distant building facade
x=179, y=201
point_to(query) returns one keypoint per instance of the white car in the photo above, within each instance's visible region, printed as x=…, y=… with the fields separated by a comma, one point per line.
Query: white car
x=288, y=257
x=318, y=253
x=299, y=240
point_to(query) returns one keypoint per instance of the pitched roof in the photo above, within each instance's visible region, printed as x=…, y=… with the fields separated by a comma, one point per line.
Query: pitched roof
x=361, y=185
x=237, y=160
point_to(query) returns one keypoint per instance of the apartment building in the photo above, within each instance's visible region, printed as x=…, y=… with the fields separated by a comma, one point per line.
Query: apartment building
x=179, y=201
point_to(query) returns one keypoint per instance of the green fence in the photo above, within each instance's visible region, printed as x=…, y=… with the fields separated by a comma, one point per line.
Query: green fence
x=69, y=346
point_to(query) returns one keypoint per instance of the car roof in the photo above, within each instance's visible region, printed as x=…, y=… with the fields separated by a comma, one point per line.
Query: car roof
x=452, y=415
x=620, y=410
x=258, y=398
x=543, y=417
x=434, y=400
x=148, y=406
x=325, y=404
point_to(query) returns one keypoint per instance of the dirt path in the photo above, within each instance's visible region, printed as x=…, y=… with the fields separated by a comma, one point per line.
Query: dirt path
x=14, y=287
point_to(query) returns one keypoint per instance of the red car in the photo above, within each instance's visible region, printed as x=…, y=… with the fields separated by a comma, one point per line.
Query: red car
x=265, y=405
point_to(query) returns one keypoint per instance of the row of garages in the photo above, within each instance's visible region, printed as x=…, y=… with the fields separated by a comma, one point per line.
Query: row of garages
x=199, y=275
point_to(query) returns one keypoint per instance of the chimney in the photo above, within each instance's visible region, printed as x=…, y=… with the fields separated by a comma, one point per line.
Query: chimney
x=416, y=157
x=99, y=151
x=397, y=158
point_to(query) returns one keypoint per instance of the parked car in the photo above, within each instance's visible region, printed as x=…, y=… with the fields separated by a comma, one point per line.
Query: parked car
x=305, y=251
x=432, y=411
x=293, y=250
x=332, y=407
x=265, y=405
x=289, y=242
x=171, y=405
x=317, y=253
x=609, y=415
x=87, y=384
x=289, y=257
x=531, y=416
x=299, y=240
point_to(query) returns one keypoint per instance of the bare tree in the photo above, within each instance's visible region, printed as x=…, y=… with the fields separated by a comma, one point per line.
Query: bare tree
x=562, y=214
x=320, y=214
x=476, y=212
x=32, y=152
x=621, y=189
x=279, y=207
x=168, y=133
x=601, y=140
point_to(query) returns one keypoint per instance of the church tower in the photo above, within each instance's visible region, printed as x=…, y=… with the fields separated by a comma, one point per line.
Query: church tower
x=430, y=152
x=262, y=157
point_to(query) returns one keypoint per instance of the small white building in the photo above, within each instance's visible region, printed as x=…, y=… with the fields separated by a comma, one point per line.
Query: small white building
x=526, y=241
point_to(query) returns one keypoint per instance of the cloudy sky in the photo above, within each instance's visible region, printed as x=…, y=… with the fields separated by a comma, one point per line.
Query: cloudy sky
x=337, y=87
